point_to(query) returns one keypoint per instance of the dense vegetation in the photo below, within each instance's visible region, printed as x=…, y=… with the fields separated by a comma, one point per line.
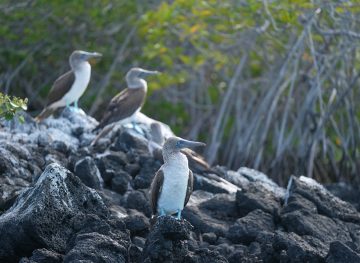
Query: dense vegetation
x=267, y=84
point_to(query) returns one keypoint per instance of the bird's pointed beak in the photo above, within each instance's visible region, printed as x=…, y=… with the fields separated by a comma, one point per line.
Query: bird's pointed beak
x=145, y=72
x=191, y=144
x=94, y=57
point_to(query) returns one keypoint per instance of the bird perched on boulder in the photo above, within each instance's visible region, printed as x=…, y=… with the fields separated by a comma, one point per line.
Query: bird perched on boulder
x=68, y=88
x=128, y=102
x=124, y=106
x=173, y=182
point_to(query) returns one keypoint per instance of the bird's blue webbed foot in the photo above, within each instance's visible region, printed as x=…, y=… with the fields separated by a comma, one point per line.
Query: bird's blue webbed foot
x=178, y=217
x=137, y=128
x=76, y=107
x=68, y=105
x=72, y=109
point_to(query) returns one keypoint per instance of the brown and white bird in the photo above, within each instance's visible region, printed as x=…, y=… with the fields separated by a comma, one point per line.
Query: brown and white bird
x=173, y=183
x=68, y=88
x=128, y=102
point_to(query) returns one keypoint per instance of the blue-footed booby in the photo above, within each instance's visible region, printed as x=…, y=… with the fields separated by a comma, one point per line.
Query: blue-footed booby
x=68, y=88
x=173, y=182
x=128, y=102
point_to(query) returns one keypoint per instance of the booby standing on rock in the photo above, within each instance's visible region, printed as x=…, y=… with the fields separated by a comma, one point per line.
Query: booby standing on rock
x=69, y=87
x=128, y=102
x=173, y=183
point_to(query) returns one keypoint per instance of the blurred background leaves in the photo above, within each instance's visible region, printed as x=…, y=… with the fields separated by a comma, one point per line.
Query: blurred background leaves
x=267, y=84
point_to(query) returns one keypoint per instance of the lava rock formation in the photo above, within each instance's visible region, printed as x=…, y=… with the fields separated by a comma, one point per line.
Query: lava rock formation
x=62, y=200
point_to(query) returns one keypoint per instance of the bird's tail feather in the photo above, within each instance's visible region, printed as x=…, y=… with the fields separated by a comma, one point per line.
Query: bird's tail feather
x=44, y=114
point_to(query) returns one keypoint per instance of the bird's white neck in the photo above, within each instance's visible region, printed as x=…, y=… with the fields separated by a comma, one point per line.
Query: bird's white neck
x=82, y=67
x=82, y=77
x=175, y=158
x=137, y=83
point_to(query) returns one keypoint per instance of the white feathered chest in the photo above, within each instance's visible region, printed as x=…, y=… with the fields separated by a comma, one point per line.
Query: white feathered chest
x=82, y=78
x=176, y=176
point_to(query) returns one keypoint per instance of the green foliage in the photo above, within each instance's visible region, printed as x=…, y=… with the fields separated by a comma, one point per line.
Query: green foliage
x=197, y=45
x=44, y=33
x=10, y=106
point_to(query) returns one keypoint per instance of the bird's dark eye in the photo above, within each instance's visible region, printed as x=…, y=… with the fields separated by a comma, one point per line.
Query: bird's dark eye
x=179, y=144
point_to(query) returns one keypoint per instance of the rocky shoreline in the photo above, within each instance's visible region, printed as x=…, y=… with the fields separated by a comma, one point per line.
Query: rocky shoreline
x=62, y=200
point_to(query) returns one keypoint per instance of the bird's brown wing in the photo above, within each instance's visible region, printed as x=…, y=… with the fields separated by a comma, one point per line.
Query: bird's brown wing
x=123, y=105
x=60, y=87
x=155, y=190
x=190, y=187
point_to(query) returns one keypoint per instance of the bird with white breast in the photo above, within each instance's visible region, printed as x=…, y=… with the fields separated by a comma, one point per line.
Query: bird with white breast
x=173, y=183
x=68, y=88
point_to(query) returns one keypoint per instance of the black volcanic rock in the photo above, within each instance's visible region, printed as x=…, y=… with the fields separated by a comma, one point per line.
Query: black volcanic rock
x=98, y=240
x=43, y=256
x=132, y=168
x=120, y=181
x=213, y=184
x=114, y=161
x=209, y=237
x=15, y=172
x=341, y=253
x=166, y=241
x=289, y=247
x=204, y=220
x=88, y=172
x=237, y=216
x=256, y=196
x=149, y=167
x=326, y=203
x=129, y=139
x=346, y=192
x=41, y=215
x=137, y=223
x=310, y=210
x=203, y=256
x=304, y=222
x=138, y=200
x=96, y=247
x=246, y=229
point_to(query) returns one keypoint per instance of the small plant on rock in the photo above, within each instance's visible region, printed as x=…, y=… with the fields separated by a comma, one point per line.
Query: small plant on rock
x=10, y=106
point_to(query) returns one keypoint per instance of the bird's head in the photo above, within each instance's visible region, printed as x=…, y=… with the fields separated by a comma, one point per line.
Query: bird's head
x=79, y=56
x=175, y=144
x=135, y=77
